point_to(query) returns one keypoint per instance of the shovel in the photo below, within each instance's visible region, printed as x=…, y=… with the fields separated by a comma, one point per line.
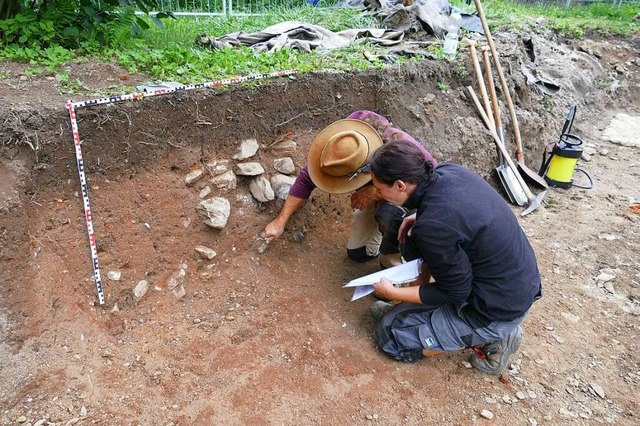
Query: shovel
x=505, y=174
x=533, y=202
x=524, y=170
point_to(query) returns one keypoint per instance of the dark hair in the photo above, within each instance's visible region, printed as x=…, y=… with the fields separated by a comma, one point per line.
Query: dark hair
x=400, y=160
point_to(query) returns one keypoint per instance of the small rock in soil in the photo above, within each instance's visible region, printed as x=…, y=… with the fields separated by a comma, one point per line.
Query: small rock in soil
x=205, y=191
x=193, y=176
x=141, y=289
x=114, y=275
x=247, y=149
x=225, y=181
x=284, y=165
x=597, y=389
x=249, y=169
x=206, y=252
x=486, y=414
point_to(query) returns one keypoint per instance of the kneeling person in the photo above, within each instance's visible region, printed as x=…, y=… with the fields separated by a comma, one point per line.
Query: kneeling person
x=485, y=271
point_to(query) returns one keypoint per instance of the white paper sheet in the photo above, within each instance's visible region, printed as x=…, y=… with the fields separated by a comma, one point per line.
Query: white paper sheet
x=400, y=274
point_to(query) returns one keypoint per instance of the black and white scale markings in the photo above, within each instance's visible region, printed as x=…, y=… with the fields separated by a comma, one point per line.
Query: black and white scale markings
x=72, y=106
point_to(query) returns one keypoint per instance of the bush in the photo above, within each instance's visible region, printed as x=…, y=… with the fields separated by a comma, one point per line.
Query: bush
x=69, y=23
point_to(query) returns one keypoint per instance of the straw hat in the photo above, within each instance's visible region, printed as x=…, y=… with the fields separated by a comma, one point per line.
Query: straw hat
x=339, y=153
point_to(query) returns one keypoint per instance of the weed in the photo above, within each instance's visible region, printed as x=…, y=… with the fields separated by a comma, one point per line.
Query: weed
x=442, y=86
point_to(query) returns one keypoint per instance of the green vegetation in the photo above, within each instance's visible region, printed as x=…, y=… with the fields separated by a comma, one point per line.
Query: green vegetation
x=55, y=32
x=601, y=18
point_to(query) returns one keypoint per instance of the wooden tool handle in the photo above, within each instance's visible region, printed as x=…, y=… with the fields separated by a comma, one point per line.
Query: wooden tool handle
x=503, y=82
x=492, y=87
x=480, y=79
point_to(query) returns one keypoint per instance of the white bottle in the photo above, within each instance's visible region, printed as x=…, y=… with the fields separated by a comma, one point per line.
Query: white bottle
x=450, y=47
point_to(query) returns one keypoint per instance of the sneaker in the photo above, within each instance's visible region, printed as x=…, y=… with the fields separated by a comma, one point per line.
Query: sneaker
x=492, y=358
x=379, y=309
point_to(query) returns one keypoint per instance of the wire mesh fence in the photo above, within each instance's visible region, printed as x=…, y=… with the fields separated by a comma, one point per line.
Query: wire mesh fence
x=257, y=7
x=224, y=7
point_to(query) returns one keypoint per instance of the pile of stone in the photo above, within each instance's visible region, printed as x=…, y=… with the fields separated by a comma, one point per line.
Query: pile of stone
x=222, y=174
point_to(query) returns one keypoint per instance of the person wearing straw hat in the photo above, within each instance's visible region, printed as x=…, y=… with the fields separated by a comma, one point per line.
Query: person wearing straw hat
x=336, y=164
x=480, y=275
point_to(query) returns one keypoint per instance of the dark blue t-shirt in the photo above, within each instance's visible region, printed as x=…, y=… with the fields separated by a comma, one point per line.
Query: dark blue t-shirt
x=477, y=252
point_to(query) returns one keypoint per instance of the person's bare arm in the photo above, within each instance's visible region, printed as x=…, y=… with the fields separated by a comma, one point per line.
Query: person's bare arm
x=276, y=227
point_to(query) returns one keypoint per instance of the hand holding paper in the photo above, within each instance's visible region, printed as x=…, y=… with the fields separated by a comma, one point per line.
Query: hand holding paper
x=400, y=274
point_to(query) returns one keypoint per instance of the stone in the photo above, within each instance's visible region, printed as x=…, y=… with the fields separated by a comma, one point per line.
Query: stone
x=225, y=181
x=114, y=275
x=205, y=191
x=281, y=185
x=193, y=176
x=83, y=411
x=597, y=389
x=609, y=287
x=218, y=167
x=467, y=364
x=283, y=147
x=623, y=130
x=567, y=413
x=521, y=395
x=249, y=169
x=429, y=98
x=486, y=414
x=604, y=277
x=177, y=281
x=284, y=165
x=206, y=252
x=140, y=289
x=261, y=189
x=570, y=317
x=607, y=237
x=247, y=149
x=541, y=20
x=215, y=212
x=21, y=419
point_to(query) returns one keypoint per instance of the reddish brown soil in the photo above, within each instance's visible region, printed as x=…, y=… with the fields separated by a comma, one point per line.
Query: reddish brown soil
x=272, y=338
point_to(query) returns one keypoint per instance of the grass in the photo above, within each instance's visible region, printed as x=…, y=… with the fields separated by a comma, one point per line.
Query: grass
x=170, y=54
x=601, y=18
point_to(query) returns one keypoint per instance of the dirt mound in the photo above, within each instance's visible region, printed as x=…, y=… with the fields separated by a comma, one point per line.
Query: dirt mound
x=271, y=337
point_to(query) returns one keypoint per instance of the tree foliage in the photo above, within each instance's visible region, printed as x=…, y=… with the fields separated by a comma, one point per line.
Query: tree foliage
x=69, y=23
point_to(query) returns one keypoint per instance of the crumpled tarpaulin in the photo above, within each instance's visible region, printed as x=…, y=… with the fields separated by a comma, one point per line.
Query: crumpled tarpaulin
x=300, y=35
x=434, y=16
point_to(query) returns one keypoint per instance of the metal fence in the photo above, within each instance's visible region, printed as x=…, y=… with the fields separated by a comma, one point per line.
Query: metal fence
x=223, y=7
x=257, y=7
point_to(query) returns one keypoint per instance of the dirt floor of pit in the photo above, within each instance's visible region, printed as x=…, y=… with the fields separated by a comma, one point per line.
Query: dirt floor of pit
x=272, y=338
